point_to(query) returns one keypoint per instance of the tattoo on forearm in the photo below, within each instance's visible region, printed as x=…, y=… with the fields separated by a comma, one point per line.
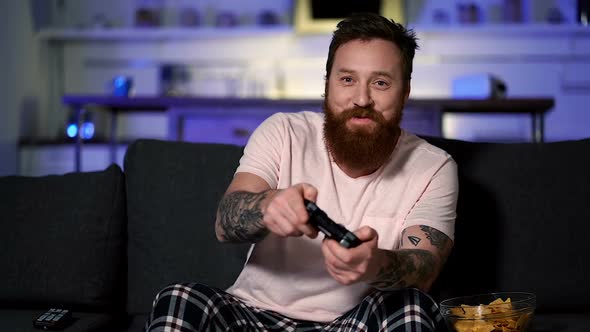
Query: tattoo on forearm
x=240, y=217
x=406, y=267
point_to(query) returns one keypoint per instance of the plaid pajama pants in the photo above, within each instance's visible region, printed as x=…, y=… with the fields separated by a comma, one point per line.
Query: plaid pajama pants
x=195, y=307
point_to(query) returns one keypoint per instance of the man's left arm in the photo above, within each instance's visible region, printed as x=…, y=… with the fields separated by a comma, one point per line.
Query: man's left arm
x=417, y=263
x=425, y=245
x=423, y=250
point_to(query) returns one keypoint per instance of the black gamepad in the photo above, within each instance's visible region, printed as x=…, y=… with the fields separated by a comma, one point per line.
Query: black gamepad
x=332, y=230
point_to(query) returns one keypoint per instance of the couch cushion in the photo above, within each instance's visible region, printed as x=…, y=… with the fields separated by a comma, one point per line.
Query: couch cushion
x=63, y=239
x=523, y=221
x=137, y=323
x=172, y=193
x=571, y=322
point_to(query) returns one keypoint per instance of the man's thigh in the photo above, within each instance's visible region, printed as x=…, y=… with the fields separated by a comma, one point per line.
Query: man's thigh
x=400, y=310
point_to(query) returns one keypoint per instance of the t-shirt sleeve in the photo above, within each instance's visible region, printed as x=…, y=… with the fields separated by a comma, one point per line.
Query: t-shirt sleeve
x=437, y=205
x=263, y=150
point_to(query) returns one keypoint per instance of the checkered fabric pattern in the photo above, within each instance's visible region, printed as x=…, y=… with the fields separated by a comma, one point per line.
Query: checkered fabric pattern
x=195, y=307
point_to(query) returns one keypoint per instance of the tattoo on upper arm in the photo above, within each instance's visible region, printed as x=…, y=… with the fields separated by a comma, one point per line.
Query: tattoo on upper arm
x=413, y=267
x=414, y=240
x=436, y=237
x=240, y=217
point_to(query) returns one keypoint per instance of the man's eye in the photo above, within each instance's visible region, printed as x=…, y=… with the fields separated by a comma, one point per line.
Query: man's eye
x=382, y=84
x=346, y=79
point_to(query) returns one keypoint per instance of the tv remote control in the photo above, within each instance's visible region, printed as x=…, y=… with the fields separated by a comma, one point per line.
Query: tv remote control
x=53, y=319
x=331, y=229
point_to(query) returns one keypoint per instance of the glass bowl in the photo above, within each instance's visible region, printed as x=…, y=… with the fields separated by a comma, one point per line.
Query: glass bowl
x=504, y=311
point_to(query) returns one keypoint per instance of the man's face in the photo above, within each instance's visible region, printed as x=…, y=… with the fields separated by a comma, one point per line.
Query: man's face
x=365, y=95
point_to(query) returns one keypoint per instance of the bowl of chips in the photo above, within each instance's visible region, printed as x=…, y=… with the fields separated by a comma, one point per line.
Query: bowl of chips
x=506, y=311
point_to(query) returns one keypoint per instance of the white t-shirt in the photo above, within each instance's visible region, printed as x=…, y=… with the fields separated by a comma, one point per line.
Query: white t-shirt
x=416, y=186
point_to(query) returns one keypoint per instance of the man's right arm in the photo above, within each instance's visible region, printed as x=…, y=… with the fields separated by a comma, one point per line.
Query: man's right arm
x=239, y=214
x=250, y=210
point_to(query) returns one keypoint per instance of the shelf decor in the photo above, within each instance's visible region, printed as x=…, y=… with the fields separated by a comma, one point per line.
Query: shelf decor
x=321, y=16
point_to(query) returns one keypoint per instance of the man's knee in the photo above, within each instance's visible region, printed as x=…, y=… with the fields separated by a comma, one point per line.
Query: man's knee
x=398, y=302
x=183, y=290
x=409, y=294
x=410, y=305
x=398, y=296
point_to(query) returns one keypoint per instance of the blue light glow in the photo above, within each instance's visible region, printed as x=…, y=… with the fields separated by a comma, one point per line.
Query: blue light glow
x=72, y=130
x=87, y=131
x=120, y=82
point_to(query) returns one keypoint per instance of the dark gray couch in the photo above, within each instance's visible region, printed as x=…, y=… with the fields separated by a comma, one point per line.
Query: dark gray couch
x=103, y=243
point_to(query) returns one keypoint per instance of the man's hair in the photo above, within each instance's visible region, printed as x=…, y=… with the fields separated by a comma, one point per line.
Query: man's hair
x=368, y=26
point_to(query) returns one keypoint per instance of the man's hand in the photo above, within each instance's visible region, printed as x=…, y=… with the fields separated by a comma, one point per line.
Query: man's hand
x=361, y=263
x=284, y=211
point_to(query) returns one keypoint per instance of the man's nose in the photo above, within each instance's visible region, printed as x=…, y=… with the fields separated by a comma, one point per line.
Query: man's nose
x=363, y=97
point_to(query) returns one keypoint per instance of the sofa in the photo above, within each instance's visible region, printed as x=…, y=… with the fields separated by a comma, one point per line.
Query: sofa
x=102, y=243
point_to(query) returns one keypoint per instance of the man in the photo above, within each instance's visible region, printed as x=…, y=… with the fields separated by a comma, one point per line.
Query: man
x=395, y=191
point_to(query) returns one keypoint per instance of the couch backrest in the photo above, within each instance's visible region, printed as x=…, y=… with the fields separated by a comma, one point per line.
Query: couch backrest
x=63, y=240
x=523, y=221
x=173, y=189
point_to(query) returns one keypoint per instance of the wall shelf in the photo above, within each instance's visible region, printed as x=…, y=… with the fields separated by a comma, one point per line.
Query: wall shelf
x=159, y=34
x=532, y=59
x=179, y=33
x=513, y=29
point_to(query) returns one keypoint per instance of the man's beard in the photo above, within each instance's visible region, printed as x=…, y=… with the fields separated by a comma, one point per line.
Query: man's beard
x=360, y=148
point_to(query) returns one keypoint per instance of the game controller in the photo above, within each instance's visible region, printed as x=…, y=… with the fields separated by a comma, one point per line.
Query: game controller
x=332, y=230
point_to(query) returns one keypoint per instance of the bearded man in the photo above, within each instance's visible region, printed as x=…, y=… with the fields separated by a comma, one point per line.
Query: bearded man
x=396, y=192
